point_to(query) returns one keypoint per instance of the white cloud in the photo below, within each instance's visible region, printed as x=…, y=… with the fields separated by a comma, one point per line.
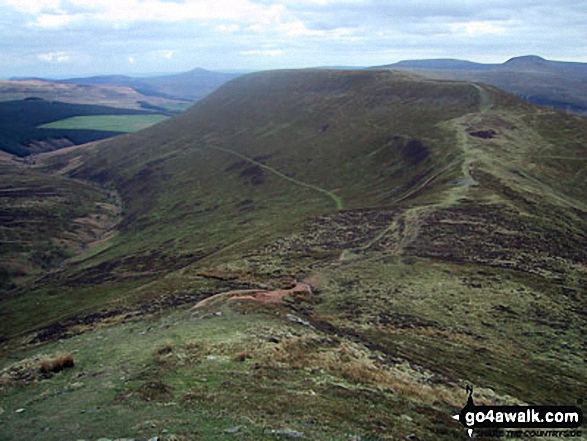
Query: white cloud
x=228, y=28
x=131, y=60
x=298, y=28
x=54, y=57
x=477, y=28
x=263, y=52
x=169, y=54
x=34, y=6
x=255, y=28
x=201, y=10
x=51, y=21
x=56, y=13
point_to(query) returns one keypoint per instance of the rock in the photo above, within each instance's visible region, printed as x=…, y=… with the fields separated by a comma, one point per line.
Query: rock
x=77, y=385
x=293, y=318
x=211, y=358
x=155, y=438
x=19, y=410
x=232, y=429
x=164, y=431
x=287, y=432
x=412, y=437
x=218, y=314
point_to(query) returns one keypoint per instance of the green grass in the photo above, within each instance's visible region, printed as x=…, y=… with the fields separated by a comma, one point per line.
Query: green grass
x=107, y=123
x=182, y=373
x=454, y=260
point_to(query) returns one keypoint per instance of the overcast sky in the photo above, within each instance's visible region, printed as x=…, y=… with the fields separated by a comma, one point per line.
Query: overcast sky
x=84, y=37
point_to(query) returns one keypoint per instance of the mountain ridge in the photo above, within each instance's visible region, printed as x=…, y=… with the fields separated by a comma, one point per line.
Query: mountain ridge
x=192, y=85
x=558, y=84
x=458, y=64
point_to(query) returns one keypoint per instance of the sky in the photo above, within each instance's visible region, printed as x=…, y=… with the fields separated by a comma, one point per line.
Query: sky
x=56, y=38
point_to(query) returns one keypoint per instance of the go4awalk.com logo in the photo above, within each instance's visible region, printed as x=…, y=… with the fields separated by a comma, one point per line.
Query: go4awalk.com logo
x=535, y=421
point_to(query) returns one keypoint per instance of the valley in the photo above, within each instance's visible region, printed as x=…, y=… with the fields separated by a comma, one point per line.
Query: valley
x=319, y=254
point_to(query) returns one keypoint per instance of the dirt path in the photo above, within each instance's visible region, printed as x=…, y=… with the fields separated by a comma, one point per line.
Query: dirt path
x=263, y=296
x=407, y=226
x=336, y=199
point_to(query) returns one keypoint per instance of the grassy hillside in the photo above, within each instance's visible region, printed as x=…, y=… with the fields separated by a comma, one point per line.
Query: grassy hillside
x=327, y=253
x=24, y=125
x=46, y=219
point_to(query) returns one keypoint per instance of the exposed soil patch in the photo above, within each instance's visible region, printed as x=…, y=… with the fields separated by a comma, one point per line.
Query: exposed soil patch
x=277, y=296
x=262, y=296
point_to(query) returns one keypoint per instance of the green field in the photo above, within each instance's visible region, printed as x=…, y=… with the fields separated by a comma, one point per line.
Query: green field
x=107, y=123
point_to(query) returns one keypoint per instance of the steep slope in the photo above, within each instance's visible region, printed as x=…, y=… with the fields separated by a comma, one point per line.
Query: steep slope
x=359, y=245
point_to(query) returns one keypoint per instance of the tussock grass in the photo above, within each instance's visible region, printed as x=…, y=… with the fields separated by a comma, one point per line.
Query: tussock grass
x=54, y=365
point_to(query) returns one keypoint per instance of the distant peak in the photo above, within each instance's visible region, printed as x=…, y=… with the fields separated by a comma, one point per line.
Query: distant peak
x=526, y=60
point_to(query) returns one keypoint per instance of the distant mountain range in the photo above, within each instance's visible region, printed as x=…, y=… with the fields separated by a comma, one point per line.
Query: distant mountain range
x=558, y=84
x=192, y=85
x=172, y=92
x=524, y=63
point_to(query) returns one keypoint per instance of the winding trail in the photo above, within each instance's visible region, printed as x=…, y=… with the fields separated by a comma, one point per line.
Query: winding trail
x=407, y=225
x=336, y=199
